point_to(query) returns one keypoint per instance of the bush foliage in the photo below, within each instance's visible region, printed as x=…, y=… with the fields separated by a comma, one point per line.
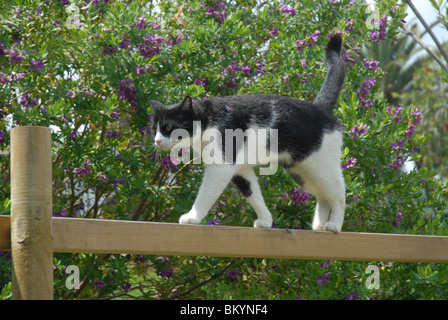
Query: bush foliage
x=88, y=69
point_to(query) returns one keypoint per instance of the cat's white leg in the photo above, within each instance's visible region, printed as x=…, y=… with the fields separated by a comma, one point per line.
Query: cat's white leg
x=247, y=181
x=337, y=213
x=216, y=178
x=322, y=175
x=321, y=214
x=329, y=215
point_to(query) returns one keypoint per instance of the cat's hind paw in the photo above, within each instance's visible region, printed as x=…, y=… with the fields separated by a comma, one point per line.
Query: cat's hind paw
x=189, y=219
x=262, y=224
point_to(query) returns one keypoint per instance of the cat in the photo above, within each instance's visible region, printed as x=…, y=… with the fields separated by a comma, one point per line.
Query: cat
x=309, y=143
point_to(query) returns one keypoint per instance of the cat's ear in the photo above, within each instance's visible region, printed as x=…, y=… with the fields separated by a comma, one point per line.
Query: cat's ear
x=187, y=104
x=156, y=106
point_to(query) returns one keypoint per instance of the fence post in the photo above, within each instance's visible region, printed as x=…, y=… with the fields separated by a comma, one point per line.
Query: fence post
x=31, y=213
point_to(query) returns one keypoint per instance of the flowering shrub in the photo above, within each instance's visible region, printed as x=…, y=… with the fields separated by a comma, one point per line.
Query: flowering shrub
x=88, y=69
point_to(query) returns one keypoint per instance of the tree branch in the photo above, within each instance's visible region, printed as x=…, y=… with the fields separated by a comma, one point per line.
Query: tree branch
x=430, y=52
x=433, y=36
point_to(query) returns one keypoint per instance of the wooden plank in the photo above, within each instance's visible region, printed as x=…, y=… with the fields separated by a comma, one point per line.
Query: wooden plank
x=106, y=236
x=112, y=236
x=5, y=233
x=31, y=208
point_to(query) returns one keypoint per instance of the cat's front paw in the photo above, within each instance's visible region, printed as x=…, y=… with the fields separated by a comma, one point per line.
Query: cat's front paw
x=188, y=218
x=262, y=223
x=331, y=226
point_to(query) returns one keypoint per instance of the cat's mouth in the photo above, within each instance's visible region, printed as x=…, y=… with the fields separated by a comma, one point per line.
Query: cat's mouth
x=163, y=147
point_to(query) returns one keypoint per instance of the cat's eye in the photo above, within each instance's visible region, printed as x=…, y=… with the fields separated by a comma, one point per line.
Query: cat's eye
x=168, y=127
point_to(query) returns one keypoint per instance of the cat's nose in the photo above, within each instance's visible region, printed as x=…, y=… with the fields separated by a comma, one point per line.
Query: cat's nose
x=158, y=141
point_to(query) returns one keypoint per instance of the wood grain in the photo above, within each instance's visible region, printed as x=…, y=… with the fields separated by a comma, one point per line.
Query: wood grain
x=31, y=212
x=113, y=236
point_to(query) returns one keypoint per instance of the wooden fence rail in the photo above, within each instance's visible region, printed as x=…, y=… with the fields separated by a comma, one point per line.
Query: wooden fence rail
x=33, y=235
x=116, y=237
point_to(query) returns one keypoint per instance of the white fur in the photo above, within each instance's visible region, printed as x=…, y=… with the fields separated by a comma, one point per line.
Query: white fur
x=321, y=173
x=322, y=176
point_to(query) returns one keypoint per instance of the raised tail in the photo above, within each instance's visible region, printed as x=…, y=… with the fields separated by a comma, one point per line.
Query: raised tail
x=334, y=80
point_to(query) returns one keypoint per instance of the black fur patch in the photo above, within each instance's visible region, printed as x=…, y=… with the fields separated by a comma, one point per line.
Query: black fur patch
x=243, y=185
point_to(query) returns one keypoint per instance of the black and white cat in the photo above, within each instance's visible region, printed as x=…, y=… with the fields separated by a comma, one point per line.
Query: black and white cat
x=308, y=144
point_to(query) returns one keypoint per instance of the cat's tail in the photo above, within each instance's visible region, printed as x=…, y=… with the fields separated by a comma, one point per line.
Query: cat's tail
x=334, y=80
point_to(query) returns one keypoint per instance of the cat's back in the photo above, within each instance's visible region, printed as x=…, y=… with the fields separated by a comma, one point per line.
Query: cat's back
x=264, y=107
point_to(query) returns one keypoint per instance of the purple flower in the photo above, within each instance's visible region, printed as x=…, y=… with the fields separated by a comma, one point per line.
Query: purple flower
x=246, y=69
x=300, y=44
x=417, y=117
x=84, y=170
x=61, y=213
x=214, y=222
x=398, y=162
x=232, y=84
x=141, y=21
x=168, y=163
x=71, y=94
x=145, y=130
x=313, y=39
x=124, y=44
x=351, y=296
x=118, y=181
x=398, y=145
x=167, y=272
x=138, y=258
x=395, y=111
x=232, y=68
x=288, y=9
x=398, y=218
x=349, y=26
x=364, y=91
x=150, y=46
x=273, y=32
x=115, y=115
x=7, y=254
x=141, y=70
x=27, y=102
x=98, y=284
x=127, y=91
x=176, y=40
x=13, y=77
x=14, y=55
x=326, y=264
x=155, y=26
x=112, y=134
x=234, y=274
x=2, y=137
x=261, y=70
x=109, y=50
x=410, y=130
x=371, y=64
x=356, y=131
x=304, y=64
x=203, y=82
x=351, y=164
x=36, y=65
x=323, y=279
x=298, y=196
x=347, y=56
x=381, y=33
x=126, y=286
x=2, y=49
x=73, y=135
x=216, y=11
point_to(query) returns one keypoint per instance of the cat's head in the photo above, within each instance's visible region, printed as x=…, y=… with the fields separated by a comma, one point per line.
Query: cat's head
x=172, y=123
